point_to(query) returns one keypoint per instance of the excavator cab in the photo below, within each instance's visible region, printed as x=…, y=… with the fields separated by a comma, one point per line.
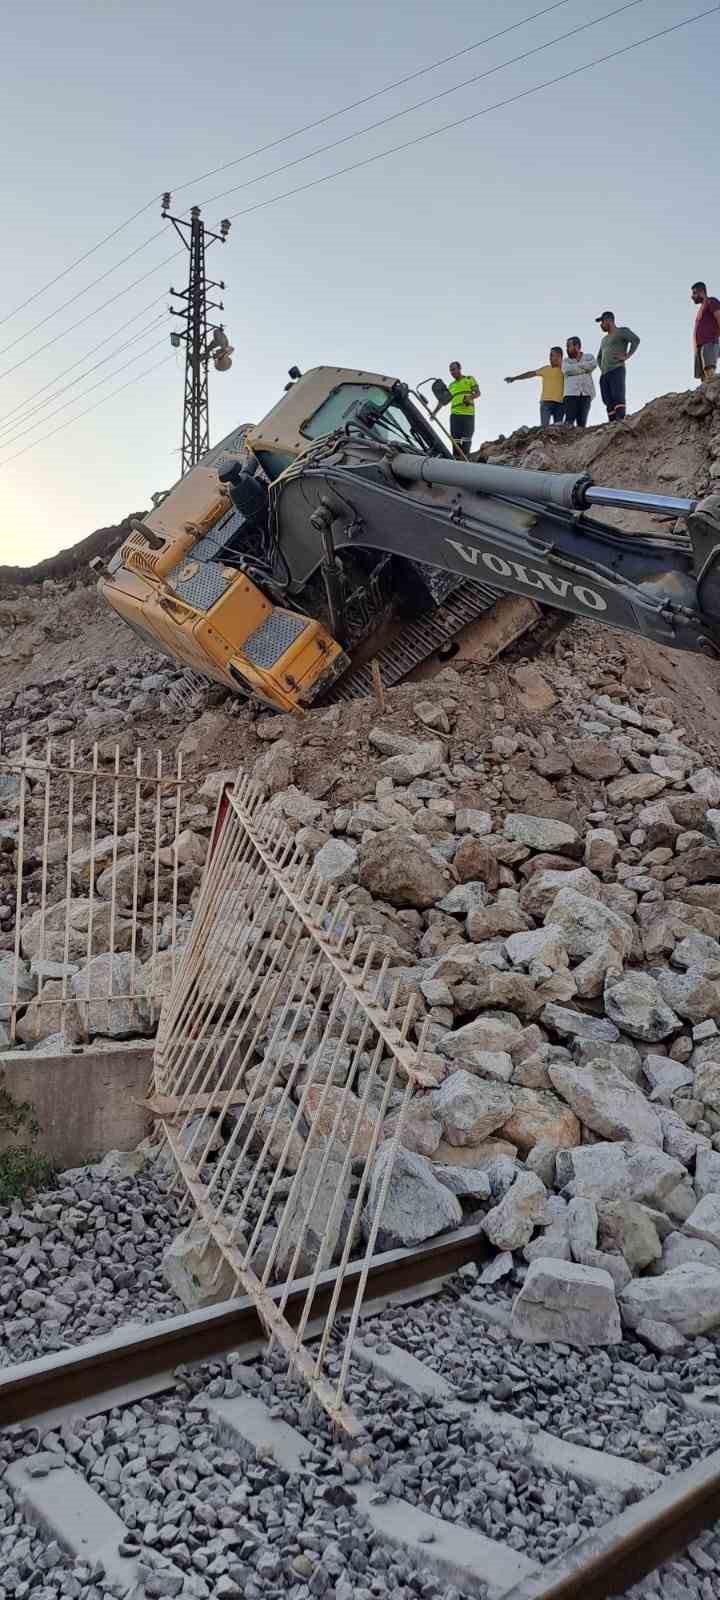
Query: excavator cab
x=205, y=579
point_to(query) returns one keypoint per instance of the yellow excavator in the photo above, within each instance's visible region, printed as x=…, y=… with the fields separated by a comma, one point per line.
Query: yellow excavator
x=339, y=539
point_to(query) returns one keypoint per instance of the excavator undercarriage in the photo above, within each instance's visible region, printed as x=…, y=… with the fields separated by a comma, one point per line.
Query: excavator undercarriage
x=339, y=538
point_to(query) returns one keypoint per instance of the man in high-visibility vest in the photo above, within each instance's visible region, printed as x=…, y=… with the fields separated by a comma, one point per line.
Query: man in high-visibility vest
x=464, y=392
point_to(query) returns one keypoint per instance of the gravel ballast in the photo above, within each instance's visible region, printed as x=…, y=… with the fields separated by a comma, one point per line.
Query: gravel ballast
x=84, y=1258
x=624, y=1399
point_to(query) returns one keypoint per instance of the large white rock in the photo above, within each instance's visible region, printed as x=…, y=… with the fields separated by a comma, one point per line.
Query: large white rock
x=189, y=1267
x=104, y=993
x=707, y=1084
x=312, y=1221
x=598, y=1171
x=692, y=994
x=541, y=891
x=48, y=941
x=704, y=1221
x=470, y=1108
x=471, y=1043
x=562, y=1301
x=16, y=983
x=539, y=833
x=636, y=1004
x=538, y=944
x=469, y=820
x=707, y=1172
x=510, y=1224
x=652, y=1174
x=638, y=786
x=678, y=1249
x=706, y=784
x=700, y=951
x=688, y=1297
x=416, y=1205
x=586, y=920
x=336, y=862
x=606, y=1101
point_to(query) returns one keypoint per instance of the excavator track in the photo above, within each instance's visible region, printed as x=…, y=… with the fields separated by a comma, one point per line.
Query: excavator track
x=415, y=641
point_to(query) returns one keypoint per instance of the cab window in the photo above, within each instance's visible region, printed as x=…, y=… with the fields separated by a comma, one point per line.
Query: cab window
x=343, y=405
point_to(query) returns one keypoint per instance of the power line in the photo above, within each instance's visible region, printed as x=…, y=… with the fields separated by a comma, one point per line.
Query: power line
x=295, y=133
x=76, y=263
x=16, y=421
x=460, y=122
x=93, y=386
x=82, y=292
x=73, y=364
x=45, y=436
x=418, y=105
x=399, y=83
x=82, y=320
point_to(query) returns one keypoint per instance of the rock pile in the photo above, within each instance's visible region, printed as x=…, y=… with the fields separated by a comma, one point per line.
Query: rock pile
x=568, y=965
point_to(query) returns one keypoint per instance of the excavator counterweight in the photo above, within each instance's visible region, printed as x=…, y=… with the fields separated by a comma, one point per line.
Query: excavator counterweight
x=340, y=530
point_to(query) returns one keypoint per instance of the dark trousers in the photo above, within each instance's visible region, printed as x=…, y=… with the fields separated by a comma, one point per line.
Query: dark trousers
x=461, y=432
x=612, y=389
x=577, y=409
x=551, y=411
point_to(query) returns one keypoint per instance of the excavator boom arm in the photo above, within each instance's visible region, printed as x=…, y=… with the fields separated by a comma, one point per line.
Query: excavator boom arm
x=429, y=511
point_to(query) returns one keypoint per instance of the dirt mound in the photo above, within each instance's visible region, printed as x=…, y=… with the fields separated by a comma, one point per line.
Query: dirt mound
x=52, y=629
x=672, y=446
x=72, y=563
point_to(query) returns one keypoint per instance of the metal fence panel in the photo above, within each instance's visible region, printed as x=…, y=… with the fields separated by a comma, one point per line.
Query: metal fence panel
x=80, y=865
x=277, y=1061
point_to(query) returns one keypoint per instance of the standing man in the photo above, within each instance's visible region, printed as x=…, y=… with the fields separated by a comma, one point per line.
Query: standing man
x=579, y=387
x=464, y=392
x=706, y=333
x=618, y=345
x=553, y=387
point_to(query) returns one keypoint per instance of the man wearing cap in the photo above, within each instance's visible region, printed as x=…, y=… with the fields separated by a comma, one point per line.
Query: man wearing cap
x=706, y=333
x=618, y=345
x=464, y=392
x=579, y=387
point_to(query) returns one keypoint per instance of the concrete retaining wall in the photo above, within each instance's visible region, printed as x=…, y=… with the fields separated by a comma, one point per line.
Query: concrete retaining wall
x=86, y=1104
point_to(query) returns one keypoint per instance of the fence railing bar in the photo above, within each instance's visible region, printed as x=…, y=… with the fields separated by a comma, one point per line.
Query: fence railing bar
x=245, y=958
x=68, y=875
x=18, y=892
x=178, y=812
x=91, y=908
x=47, y=783
x=137, y=828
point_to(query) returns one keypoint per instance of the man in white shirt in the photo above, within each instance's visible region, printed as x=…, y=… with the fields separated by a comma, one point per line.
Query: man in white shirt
x=579, y=387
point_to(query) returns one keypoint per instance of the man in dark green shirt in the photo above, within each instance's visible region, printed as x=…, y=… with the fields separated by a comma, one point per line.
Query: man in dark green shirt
x=618, y=345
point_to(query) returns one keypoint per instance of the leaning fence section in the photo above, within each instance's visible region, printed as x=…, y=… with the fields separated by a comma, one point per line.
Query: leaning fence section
x=283, y=1071
x=89, y=869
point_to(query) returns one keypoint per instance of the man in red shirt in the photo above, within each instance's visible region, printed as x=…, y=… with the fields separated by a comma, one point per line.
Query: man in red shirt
x=706, y=333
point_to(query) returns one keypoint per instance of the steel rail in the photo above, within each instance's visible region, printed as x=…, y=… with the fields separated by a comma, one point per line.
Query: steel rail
x=613, y=1558
x=603, y=1564
x=68, y=1377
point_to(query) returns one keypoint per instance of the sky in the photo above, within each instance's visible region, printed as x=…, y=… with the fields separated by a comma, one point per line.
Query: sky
x=488, y=242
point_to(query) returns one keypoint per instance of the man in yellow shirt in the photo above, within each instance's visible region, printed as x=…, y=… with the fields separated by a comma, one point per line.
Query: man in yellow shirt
x=553, y=387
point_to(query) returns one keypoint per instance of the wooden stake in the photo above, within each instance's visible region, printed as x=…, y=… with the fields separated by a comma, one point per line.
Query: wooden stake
x=378, y=684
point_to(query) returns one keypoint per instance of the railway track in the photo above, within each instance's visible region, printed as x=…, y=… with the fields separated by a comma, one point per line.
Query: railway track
x=134, y=1453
